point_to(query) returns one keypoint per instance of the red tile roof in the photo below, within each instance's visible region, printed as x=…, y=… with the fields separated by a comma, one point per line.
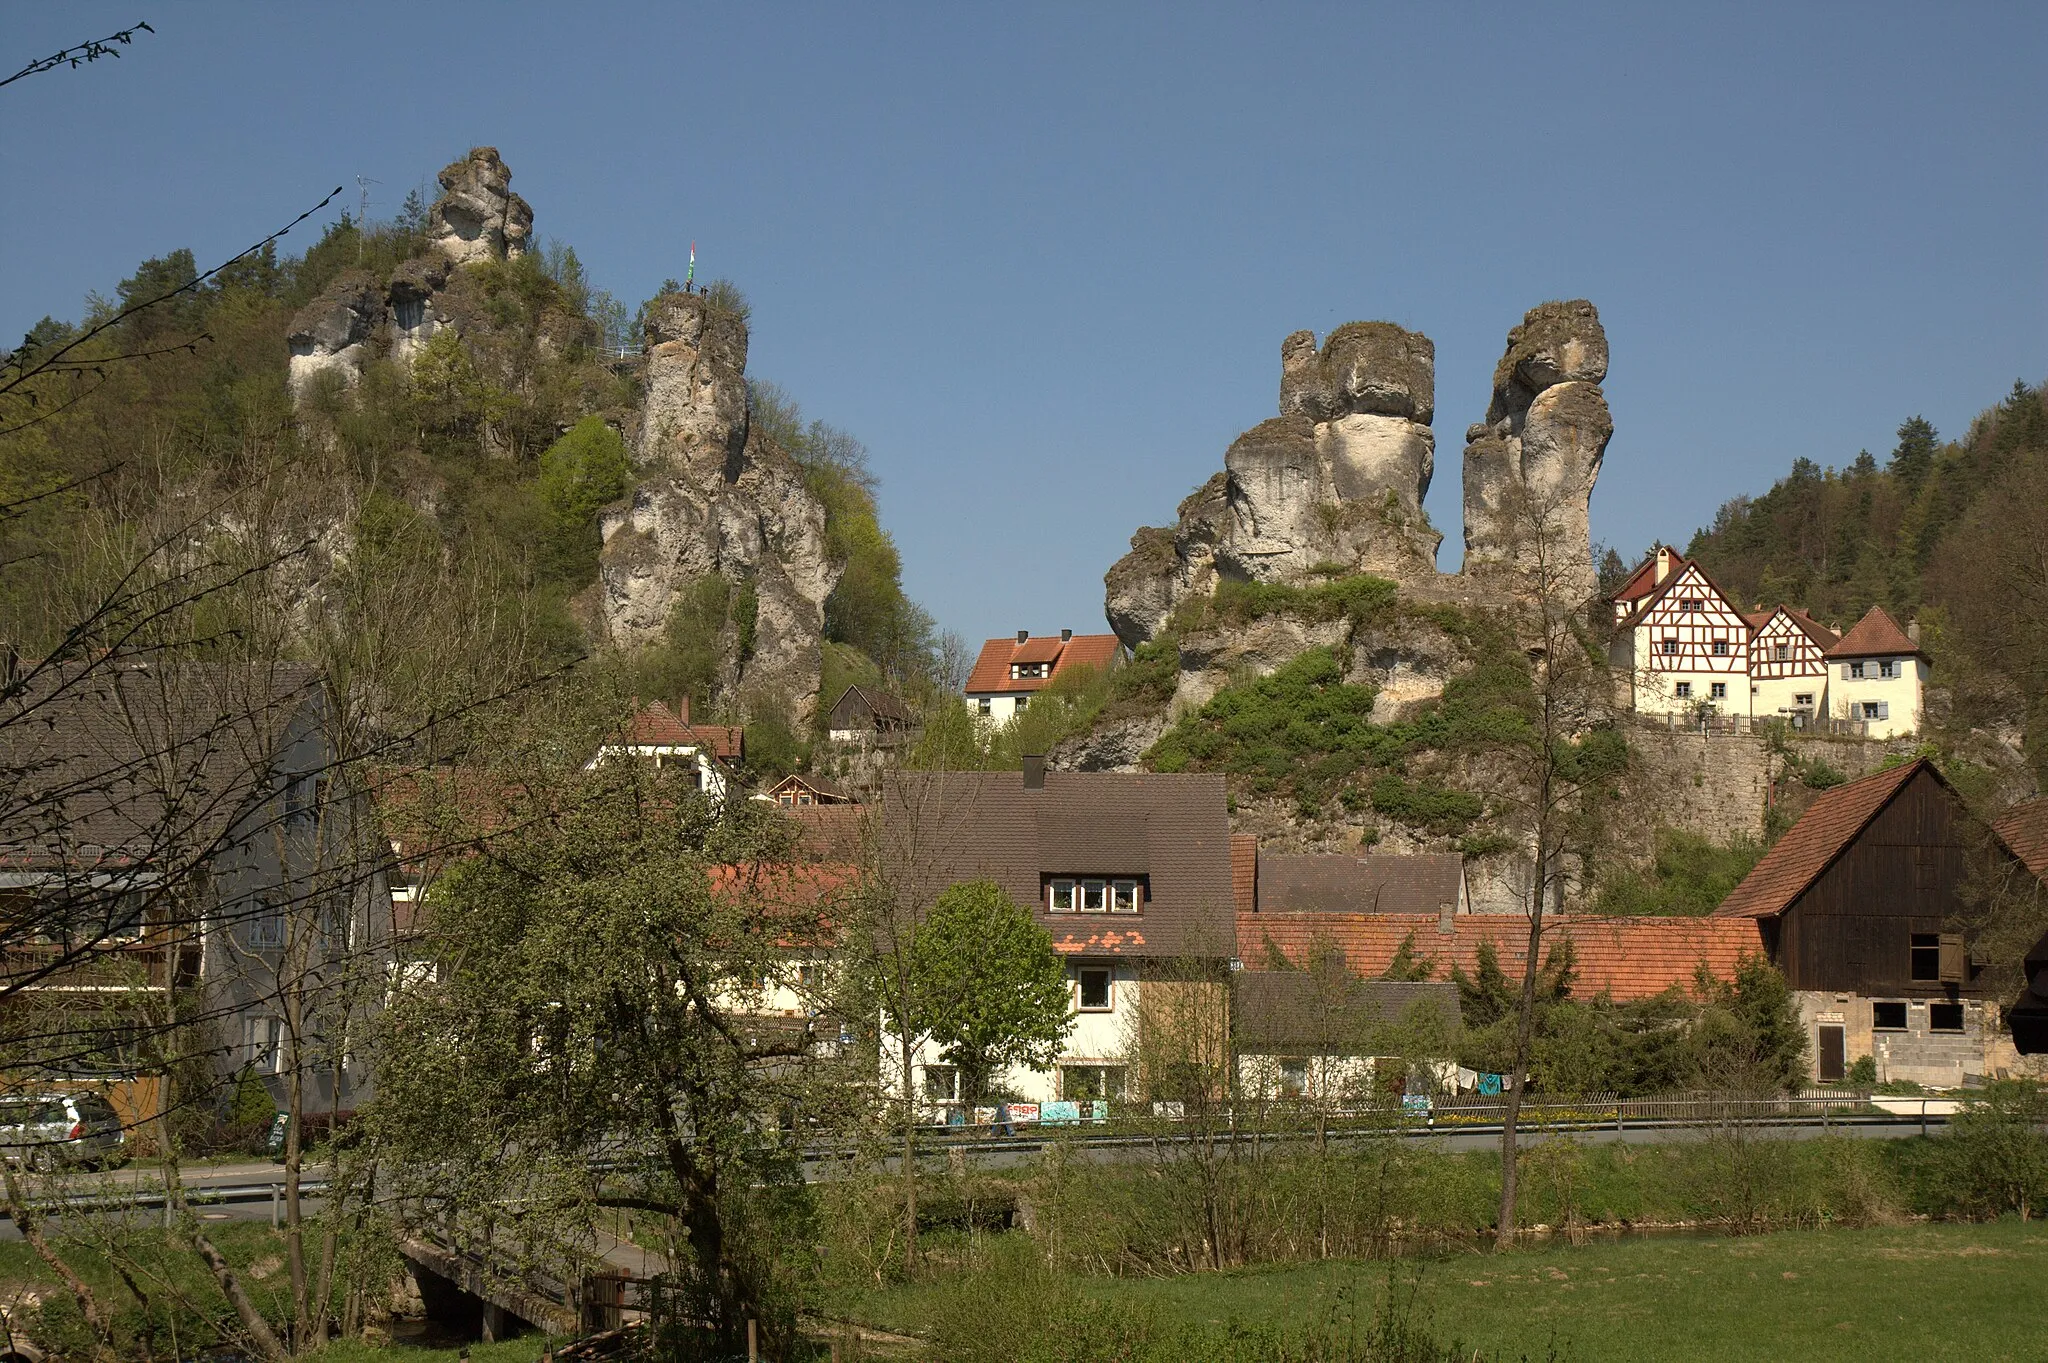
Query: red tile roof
x=1812, y=628
x=1875, y=635
x=2024, y=828
x=1670, y=583
x=1643, y=580
x=1809, y=847
x=1624, y=958
x=991, y=675
x=658, y=726
x=1244, y=871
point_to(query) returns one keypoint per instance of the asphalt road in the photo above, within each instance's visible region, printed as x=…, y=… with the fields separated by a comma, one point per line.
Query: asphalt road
x=248, y=1191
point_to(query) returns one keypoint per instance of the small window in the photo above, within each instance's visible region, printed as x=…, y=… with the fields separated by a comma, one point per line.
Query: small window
x=1061, y=896
x=786, y=799
x=1021, y=702
x=1926, y=956
x=1294, y=1079
x=1721, y=648
x=983, y=705
x=1853, y=671
x=941, y=1083
x=1782, y=652
x=1887, y=668
x=1667, y=644
x=1692, y=605
x=1086, y=1082
x=1094, y=988
x=1944, y=1017
x=1888, y=1017
x=1719, y=690
x=1683, y=690
x=1871, y=709
x=1804, y=698
x=1094, y=896
x=1124, y=896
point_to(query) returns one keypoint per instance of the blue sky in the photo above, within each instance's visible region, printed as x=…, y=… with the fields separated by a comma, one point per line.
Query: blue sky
x=1040, y=259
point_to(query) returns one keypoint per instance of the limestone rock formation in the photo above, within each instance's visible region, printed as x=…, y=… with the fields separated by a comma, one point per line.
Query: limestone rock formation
x=1337, y=479
x=1530, y=466
x=717, y=498
x=478, y=217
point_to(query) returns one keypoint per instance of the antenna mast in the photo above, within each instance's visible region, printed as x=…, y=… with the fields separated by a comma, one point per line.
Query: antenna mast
x=363, y=184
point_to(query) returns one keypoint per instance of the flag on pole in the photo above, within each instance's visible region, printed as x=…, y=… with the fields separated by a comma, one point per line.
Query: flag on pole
x=691, y=273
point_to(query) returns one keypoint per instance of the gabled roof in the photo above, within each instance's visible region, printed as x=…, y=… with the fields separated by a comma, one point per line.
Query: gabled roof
x=1810, y=627
x=816, y=785
x=658, y=726
x=1643, y=580
x=1624, y=958
x=991, y=675
x=1380, y=882
x=879, y=703
x=1664, y=588
x=1875, y=635
x=1290, y=1012
x=2024, y=829
x=1833, y=821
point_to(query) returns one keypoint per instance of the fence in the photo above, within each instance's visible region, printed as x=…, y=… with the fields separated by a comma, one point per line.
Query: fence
x=1753, y=724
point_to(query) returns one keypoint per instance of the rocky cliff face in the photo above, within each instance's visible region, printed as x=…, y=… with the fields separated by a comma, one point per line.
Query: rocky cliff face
x=476, y=218
x=1530, y=466
x=717, y=498
x=1334, y=483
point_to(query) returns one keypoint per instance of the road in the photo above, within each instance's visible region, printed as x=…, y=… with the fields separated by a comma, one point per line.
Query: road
x=251, y=1190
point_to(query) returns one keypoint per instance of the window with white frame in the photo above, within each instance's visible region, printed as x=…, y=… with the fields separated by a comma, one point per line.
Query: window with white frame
x=1852, y=671
x=1720, y=648
x=1125, y=896
x=1094, y=896
x=1019, y=704
x=1092, y=986
x=1781, y=652
x=1692, y=605
x=983, y=705
x=1803, y=698
x=1027, y=671
x=1085, y=1082
x=1060, y=896
x=1874, y=709
x=1719, y=690
x=1888, y=667
x=1668, y=644
x=1683, y=690
x=1294, y=1078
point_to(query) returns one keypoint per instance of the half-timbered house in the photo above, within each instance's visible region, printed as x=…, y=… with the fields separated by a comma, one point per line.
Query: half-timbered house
x=1788, y=665
x=1680, y=644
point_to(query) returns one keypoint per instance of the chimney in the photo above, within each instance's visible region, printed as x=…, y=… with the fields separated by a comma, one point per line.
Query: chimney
x=1913, y=629
x=683, y=709
x=1066, y=636
x=1034, y=771
x=1446, y=917
x=1663, y=562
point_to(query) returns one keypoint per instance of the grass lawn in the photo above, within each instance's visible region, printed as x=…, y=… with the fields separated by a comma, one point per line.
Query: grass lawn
x=1948, y=1291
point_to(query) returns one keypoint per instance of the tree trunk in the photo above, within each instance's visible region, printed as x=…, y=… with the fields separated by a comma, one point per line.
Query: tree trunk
x=909, y=1161
x=266, y=1340
x=1525, y=1030
x=30, y=1223
x=295, y=1107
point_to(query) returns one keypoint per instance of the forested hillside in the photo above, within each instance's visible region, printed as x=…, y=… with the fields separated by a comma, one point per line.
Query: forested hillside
x=1953, y=533
x=445, y=499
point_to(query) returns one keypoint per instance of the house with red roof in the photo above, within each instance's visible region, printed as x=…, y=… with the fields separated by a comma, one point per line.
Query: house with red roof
x=1858, y=904
x=1682, y=647
x=665, y=736
x=1878, y=676
x=1009, y=672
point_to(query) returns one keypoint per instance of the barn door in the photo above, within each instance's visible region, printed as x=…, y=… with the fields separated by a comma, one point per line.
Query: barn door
x=1831, y=1059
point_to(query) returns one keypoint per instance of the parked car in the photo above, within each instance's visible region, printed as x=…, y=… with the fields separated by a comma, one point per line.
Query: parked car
x=48, y=1130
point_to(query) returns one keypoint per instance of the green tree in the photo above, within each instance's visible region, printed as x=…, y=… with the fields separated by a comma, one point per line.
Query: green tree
x=990, y=989
x=596, y=968
x=584, y=471
x=1748, y=1039
x=1913, y=457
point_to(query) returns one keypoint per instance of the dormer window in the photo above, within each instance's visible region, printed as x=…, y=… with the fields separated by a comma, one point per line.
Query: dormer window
x=1029, y=671
x=1094, y=894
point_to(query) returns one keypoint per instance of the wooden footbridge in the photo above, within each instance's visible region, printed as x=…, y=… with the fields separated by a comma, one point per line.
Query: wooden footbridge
x=465, y=1289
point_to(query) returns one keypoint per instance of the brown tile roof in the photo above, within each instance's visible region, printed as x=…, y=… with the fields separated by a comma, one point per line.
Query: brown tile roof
x=105, y=764
x=2024, y=828
x=991, y=674
x=830, y=791
x=658, y=726
x=1380, y=882
x=1812, y=628
x=1289, y=1012
x=1625, y=958
x=828, y=832
x=933, y=829
x=1244, y=871
x=1664, y=588
x=1809, y=847
x=1875, y=635
x=880, y=703
x=1643, y=580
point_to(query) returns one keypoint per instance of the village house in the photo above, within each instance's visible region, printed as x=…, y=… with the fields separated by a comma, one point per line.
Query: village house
x=800, y=792
x=666, y=737
x=1130, y=873
x=1857, y=905
x=868, y=714
x=184, y=828
x=2024, y=829
x=1008, y=673
x=1329, y=1037
x=1682, y=648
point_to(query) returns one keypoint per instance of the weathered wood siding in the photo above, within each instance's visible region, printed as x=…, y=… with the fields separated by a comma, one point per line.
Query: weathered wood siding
x=1852, y=930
